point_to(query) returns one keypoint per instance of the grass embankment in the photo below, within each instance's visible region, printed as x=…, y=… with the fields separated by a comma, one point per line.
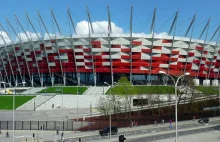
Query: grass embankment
x=6, y=102
x=66, y=90
x=208, y=90
x=135, y=90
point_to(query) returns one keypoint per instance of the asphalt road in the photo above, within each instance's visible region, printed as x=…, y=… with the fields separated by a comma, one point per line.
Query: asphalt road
x=171, y=135
x=152, y=132
x=160, y=131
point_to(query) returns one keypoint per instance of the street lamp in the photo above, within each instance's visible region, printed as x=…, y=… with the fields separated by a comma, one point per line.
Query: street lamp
x=175, y=83
x=110, y=117
x=16, y=84
x=77, y=107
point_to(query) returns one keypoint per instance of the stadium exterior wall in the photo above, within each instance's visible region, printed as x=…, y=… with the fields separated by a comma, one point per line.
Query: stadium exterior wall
x=84, y=59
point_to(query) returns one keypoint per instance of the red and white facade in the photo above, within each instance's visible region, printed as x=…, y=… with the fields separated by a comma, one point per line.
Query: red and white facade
x=102, y=58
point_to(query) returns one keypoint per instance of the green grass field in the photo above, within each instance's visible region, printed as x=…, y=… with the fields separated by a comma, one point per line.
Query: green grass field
x=208, y=90
x=119, y=90
x=6, y=102
x=66, y=90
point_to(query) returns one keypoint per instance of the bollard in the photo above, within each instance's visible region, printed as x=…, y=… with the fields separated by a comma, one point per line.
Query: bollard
x=79, y=139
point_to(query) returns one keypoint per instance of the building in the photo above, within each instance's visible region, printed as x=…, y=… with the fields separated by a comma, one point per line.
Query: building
x=94, y=59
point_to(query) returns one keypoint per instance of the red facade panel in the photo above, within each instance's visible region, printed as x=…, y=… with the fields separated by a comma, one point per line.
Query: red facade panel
x=175, y=52
x=116, y=46
x=87, y=50
x=136, y=43
x=166, y=41
x=146, y=50
x=199, y=48
x=125, y=50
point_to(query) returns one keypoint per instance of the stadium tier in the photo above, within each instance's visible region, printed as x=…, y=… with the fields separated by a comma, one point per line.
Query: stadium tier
x=93, y=59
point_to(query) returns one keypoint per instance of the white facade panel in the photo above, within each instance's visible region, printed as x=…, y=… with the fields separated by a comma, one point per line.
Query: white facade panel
x=106, y=63
x=164, y=65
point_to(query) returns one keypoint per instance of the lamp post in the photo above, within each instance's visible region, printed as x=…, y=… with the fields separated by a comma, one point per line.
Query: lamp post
x=175, y=83
x=77, y=92
x=110, y=117
x=16, y=84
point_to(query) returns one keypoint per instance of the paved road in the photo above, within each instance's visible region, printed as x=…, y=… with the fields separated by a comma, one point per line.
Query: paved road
x=50, y=136
x=166, y=136
x=150, y=129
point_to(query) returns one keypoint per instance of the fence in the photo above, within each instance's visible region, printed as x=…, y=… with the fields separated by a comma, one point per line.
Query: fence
x=96, y=123
x=45, y=125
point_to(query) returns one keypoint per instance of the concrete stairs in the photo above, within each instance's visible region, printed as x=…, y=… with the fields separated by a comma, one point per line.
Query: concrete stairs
x=97, y=90
x=35, y=102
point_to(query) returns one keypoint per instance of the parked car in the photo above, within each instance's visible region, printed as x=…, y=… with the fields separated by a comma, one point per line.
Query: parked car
x=203, y=120
x=106, y=131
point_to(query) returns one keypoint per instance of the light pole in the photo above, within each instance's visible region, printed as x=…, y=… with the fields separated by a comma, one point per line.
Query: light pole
x=175, y=83
x=77, y=93
x=110, y=117
x=16, y=84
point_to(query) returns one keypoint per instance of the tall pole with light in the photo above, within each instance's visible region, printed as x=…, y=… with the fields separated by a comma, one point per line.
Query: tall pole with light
x=77, y=107
x=110, y=117
x=175, y=83
x=16, y=84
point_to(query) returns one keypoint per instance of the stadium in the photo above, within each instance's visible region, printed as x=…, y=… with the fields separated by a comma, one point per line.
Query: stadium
x=93, y=59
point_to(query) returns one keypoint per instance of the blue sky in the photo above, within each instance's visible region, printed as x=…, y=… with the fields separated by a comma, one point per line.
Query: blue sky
x=120, y=10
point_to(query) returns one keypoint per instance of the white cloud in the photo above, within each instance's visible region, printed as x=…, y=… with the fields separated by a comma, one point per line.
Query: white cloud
x=53, y=36
x=99, y=27
x=5, y=37
x=29, y=34
x=161, y=35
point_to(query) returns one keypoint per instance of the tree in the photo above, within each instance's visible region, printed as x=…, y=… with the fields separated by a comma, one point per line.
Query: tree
x=127, y=91
x=187, y=92
x=103, y=106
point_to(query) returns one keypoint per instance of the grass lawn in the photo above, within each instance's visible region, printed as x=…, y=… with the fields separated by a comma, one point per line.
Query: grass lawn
x=119, y=90
x=6, y=102
x=208, y=90
x=66, y=90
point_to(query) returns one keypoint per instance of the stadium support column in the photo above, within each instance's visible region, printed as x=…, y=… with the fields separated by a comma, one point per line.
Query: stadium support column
x=32, y=80
x=42, y=83
x=174, y=32
x=131, y=46
x=31, y=43
x=72, y=45
x=16, y=81
x=6, y=51
x=78, y=78
x=190, y=40
x=52, y=79
x=57, y=46
x=214, y=82
x=90, y=43
x=22, y=48
x=6, y=73
x=152, y=44
x=109, y=44
x=39, y=39
x=64, y=79
x=205, y=82
x=23, y=79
